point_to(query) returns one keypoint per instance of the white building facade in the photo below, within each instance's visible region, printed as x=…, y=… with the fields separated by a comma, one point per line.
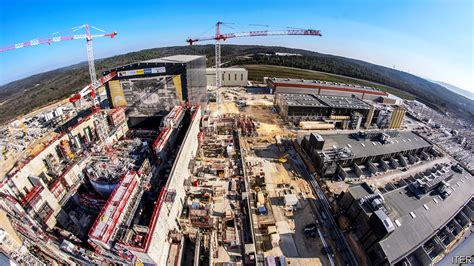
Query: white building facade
x=229, y=76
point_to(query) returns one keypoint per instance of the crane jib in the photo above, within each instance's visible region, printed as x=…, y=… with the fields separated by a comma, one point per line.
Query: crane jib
x=222, y=37
x=53, y=40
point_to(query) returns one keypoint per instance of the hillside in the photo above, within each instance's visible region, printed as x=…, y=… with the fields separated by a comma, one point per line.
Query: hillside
x=22, y=96
x=465, y=93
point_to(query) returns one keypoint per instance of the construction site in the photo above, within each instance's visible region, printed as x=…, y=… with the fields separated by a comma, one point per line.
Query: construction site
x=167, y=162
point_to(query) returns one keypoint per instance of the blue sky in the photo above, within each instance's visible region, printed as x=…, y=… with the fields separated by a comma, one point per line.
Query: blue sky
x=429, y=38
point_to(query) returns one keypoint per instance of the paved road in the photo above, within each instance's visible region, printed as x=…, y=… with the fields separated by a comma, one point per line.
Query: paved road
x=341, y=241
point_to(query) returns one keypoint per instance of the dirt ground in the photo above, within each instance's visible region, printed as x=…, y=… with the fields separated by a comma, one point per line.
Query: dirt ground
x=336, y=187
x=229, y=108
x=224, y=108
x=357, y=249
x=262, y=114
x=268, y=123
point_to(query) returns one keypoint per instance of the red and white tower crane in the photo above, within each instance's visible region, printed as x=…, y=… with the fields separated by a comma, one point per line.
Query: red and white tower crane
x=95, y=83
x=218, y=37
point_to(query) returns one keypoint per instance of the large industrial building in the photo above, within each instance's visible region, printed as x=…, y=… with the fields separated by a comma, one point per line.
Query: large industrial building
x=230, y=76
x=41, y=187
x=286, y=85
x=103, y=192
x=364, y=153
x=341, y=112
x=313, y=111
x=108, y=187
x=416, y=223
x=149, y=89
x=397, y=116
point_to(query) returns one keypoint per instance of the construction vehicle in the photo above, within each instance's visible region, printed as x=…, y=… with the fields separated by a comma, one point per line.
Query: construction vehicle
x=283, y=159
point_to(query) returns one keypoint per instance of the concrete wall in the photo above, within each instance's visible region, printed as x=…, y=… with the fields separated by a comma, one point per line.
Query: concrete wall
x=20, y=181
x=119, y=132
x=196, y=81
x=167, y=220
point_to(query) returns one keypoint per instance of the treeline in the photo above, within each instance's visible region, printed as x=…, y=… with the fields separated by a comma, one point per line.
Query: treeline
x=22, y=96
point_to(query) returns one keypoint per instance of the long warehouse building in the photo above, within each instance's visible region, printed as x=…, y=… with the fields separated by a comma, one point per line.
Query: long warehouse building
x=230, y=76
x=332, y=153
x=339, y=112
x=287, y=85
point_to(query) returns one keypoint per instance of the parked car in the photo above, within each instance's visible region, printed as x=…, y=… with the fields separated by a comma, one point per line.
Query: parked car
x=311, y=230
x=327, y=251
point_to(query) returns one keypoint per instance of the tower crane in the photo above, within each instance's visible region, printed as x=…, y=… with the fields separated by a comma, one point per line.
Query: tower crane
x=95, y=83
x=218, y=37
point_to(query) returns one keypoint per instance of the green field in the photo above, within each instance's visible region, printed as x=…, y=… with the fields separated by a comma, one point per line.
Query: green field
x=257, y=72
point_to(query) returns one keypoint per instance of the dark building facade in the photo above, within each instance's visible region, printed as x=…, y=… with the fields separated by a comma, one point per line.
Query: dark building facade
x=150, y=89
x=343, y=112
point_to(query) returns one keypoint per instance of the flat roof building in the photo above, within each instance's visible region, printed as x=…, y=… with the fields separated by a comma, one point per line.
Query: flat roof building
x=399, y=228
x=342, y=112
x=230, y=76
x=319, y=87
x=333, y=152
x=343, y=102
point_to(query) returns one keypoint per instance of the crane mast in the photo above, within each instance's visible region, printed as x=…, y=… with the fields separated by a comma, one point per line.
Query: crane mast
x=217, y=53
x=90, y=57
